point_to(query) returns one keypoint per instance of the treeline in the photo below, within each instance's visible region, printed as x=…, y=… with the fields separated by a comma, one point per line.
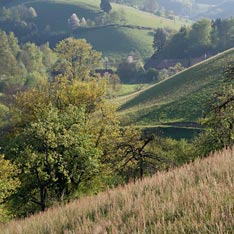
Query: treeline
x=22, y=66
x=61, y=137
x=24, y=22
x=19, y=19
x=161, y=7
x=203, y=38
x=186, y=8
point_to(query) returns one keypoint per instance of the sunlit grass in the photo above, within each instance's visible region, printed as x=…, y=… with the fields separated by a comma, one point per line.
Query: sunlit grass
x=196, y=198
x=183, y=97
x=115, y=42
x=127, y=89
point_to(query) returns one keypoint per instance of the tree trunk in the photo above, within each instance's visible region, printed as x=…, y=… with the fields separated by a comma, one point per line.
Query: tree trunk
x=43, y=195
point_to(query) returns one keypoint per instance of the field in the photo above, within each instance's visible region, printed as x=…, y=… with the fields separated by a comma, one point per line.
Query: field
x=127, y=89
x=115, y=42
x=196, y=198
x=184, y=97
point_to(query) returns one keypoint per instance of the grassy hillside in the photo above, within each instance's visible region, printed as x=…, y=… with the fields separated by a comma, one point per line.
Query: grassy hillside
x=182, y=98
x=197, y=198
x=112, y=41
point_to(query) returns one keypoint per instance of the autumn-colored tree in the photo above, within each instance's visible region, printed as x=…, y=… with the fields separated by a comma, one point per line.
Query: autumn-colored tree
x=56, y=154
x=76, y=59
x=63, y=141
x=8, y=183
x=8, y=178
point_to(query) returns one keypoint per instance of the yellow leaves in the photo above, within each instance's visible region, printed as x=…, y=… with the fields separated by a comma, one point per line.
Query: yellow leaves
x=61, y=93
x=76, y=58
x=31, y=101
x=8, y=182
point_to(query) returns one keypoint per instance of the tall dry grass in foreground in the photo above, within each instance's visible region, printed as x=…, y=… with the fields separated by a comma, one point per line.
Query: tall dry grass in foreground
x=197, y=198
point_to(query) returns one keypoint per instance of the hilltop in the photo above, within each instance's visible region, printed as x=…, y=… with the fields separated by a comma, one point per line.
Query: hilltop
x=221, y=9
x=196, y=198
x=181, y=98
x=114, y=41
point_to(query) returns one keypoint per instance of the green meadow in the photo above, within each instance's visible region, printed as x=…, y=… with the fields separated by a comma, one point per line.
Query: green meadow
x=184, y=97
x=116, y=42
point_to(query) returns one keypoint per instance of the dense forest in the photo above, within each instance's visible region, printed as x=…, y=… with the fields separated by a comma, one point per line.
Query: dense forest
x=204, y=37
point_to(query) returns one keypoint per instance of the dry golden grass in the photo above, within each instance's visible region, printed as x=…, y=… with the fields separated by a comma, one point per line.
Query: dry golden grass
x=196, y=198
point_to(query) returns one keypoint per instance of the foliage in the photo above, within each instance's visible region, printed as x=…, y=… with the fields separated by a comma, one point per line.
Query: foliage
x=105, y=6
x=193, y=9
x=9, y=183
x=18, y=13
x=76, y=59
x=131, y=72
x=160, y=38
x=56, y=154
x=32, y=58
x=8, y=178
x=62, y=134
x=182, y=98
x=137, y=158
x=219, y=120
x=11, y=70
x=74, y=22
x=113, y=41
x=22, y=66
x=58, y=129
x=114, y=17
x=152, y=75
x=204, y=37
x=196, y=198
x=19, y=19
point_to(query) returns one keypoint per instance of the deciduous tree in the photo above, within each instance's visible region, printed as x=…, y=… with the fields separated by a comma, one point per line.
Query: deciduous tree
x=160, y=39
x=219, y=119
x=76, y=59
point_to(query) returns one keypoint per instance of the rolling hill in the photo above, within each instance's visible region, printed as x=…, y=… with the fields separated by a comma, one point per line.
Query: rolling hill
x=182, y=98
x=224, y=9
x=196, y=198
x=113, y=41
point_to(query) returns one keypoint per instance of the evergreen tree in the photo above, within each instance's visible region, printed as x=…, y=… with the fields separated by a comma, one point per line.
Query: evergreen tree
x=160, y=39
x=106, y=6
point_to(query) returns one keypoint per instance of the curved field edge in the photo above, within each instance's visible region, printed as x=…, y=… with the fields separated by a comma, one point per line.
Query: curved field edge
x=90, y=9
x=196, y=198
x=115, y=42
x=182, y=98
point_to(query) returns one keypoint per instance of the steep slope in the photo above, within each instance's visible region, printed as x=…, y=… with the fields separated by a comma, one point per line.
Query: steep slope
x=197, y=198
x=113, y=41
x=182, y=98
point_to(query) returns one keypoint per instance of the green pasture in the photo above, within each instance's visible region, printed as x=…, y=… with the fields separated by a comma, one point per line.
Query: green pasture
x=116, y=42
x=182, y=98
